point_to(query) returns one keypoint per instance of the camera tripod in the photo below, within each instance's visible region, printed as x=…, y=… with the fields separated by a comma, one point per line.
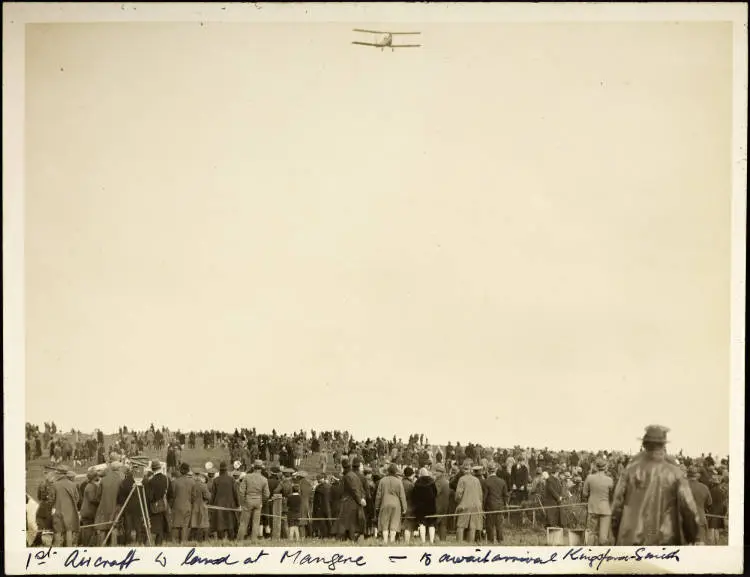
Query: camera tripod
x=140, y=491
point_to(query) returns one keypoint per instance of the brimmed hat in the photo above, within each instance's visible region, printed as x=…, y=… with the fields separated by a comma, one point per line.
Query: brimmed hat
x=693, y=473
x=209, y=466
x=491, y=468
x=601, y=464
x=237, y=465
x=155, y=466
x=655, y=434
x=223, y=466
x=275, y=469
x=477, y=468
x=258, y=464
x=392, y=469
x=184, y=468
x=302, y=474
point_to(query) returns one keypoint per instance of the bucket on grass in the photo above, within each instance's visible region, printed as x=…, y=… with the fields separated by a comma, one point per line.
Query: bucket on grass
x=555, y=536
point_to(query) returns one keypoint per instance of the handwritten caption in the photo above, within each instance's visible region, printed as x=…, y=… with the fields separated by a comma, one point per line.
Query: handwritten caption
x=155, y=559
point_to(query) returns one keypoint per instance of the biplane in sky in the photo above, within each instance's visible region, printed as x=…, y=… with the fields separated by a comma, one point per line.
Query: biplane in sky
x=385, y=39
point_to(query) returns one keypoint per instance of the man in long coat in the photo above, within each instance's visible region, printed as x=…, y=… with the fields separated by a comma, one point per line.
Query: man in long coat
x=89, y=504
x=199, y=519
x=106, y=511
x=225, y=495
x=352, y=504
x=552, y=498
x=322, y=507
x=306, y=496
x=64, y=494
x=653, y=504
x=469, y=506
x=158, y=491
x=182, y=506
x=442, y=501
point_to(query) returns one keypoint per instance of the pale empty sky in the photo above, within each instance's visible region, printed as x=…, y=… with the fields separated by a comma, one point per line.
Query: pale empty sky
x=516, y=234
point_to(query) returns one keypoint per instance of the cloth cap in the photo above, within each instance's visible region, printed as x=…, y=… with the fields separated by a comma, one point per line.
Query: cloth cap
x=258, y=464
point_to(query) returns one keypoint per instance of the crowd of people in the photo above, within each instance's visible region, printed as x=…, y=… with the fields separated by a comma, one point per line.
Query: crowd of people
x=381, y=489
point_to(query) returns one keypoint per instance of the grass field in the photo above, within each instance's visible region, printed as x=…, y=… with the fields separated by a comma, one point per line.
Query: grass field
x=198, y=457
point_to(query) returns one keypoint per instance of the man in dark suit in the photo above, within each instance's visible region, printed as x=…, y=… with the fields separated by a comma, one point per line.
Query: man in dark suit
x=322, y=508
x=158, y=491
x=496, y=499
x=552, y=498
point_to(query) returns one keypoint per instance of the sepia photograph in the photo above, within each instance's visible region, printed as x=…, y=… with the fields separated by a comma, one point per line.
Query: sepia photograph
x=375, y=276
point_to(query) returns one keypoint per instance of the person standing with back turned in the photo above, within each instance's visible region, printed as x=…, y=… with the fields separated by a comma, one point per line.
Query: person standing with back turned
x=653, y=504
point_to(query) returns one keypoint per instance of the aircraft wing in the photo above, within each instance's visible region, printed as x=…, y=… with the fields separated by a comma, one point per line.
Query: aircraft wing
x=404, y=46
x=394, y=33
x=366, y=44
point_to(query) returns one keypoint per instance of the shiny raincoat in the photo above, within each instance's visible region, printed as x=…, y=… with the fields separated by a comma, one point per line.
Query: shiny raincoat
x=653, y=505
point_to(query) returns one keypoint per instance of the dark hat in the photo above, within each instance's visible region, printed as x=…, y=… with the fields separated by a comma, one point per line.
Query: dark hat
x=392, y=469
x=693, y=473
x=275, y=469
x=223, y=466
x=655, y=434
x=258, y=464
x=601, y=464
x=155, y=466
x=356, y=462
x=184, y=468
x=345, y=463
x=408, y=472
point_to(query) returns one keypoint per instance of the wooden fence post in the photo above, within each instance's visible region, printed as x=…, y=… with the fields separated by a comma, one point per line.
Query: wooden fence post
x=276, y=519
